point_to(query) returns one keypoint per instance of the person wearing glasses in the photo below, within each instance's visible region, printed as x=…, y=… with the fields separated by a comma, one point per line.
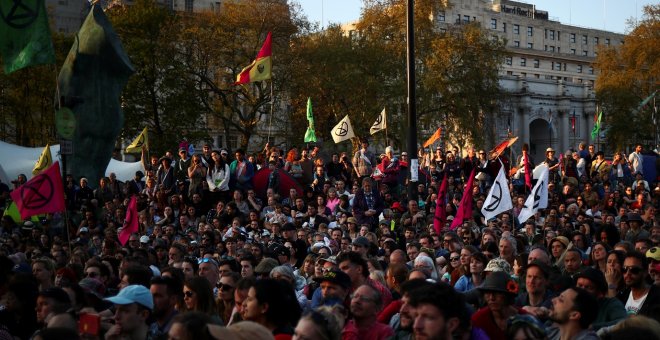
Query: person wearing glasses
x=198, y=297
x=209, y=270
x=366, y=303
x=225, y=295
x=640, y=298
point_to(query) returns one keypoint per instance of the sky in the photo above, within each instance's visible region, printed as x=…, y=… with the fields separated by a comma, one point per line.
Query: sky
x=610, y=15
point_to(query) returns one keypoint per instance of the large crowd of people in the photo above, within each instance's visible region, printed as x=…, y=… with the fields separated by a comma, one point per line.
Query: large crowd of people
x=308, y=244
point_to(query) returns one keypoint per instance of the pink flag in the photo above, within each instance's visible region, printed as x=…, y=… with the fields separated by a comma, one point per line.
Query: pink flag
x=465, y=208
x=131, y=222
x=528, y=173
x=42, y=194
x=440, y=217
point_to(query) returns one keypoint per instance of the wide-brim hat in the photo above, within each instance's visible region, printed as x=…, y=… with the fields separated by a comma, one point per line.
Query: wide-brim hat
x=164, y=158
x=499, y=282
x=549, y=150
x=351, y=220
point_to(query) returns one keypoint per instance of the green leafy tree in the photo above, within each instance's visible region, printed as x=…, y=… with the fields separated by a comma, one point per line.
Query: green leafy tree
x=161, y=93
x=628, y=74
x=359, y=71
x=215, y=48
x=27, y=100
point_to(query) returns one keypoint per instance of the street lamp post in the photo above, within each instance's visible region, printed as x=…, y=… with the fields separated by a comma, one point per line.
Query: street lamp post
x=412, y=113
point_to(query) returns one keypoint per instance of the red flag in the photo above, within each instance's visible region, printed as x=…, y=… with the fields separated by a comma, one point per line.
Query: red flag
x=42, y=194
x=528, y=174
x=497, y=151
x=465, y=208
x=260, y=68
x=131, y=222
x=440, y=217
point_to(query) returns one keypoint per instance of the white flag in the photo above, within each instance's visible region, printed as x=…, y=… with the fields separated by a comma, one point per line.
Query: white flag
x=538, y=198
x=342, y=131
x=499, y=197
x=380, y=123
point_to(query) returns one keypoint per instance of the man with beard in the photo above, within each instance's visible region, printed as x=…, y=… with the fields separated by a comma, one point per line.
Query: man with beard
x=439, y=312
x=640, y=298
x=573, y=311
x=166, y=292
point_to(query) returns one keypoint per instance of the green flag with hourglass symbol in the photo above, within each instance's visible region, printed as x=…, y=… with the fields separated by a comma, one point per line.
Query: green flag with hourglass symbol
x=24, y=34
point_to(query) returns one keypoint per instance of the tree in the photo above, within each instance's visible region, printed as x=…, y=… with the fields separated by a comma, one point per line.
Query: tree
x=628, y=74
x=27, y=100
x=216, y=46
x=360, y=72
x=161, y=93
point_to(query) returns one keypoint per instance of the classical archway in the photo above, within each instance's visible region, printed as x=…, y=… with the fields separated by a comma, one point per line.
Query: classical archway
x=540, y=138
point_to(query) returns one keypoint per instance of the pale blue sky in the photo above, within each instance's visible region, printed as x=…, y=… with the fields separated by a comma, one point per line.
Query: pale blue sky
x=610, y=15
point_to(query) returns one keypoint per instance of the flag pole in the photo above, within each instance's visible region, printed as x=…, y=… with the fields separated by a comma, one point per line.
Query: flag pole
x=272, y=104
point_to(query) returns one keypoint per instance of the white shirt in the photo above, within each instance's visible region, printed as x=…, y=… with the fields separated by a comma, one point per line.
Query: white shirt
x=633, y=305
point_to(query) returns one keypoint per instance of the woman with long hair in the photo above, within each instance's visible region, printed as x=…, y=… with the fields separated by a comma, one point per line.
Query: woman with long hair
x=225, y=298
x=197, y=174
x=614, y=273
x=452, y=266
x=217, y=179
x=272, y=304
x=476, y=275
x=598, y=256
x=198, y=297
x=332, y=201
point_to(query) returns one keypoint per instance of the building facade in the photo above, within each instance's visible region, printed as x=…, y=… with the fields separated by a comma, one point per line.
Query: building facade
x=548, y=76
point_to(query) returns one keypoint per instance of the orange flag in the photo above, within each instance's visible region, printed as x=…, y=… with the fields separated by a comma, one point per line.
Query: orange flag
x=260, y=67
x=433, y=138
x=497, y=151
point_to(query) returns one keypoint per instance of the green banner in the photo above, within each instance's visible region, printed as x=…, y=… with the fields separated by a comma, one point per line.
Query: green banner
x=24, y=34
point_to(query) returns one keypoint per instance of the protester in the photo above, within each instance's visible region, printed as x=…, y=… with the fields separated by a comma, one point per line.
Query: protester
x=343, y=250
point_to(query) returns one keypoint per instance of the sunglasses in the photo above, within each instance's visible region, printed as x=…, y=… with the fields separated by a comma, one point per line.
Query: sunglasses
x=455, y=258
x=225, y=287
x=189, y=294
x=633, y=270
x=207, y=260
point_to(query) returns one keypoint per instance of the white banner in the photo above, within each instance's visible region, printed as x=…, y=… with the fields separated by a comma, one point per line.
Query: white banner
x=499, y=197
x=342, y=131
x=380, y=123
x=538, y=198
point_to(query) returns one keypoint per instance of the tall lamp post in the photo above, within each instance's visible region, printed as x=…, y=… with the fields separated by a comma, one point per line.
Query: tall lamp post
x=412, y=113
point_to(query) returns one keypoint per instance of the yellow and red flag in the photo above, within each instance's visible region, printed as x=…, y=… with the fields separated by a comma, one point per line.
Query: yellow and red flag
x=260, y=69
x=433, y=138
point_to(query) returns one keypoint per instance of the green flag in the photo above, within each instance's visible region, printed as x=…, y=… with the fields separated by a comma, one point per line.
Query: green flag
x=596, y=129
x=310, y=136
x=24, y=34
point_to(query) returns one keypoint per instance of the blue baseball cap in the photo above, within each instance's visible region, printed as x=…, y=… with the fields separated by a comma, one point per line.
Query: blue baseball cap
x=133, y=294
